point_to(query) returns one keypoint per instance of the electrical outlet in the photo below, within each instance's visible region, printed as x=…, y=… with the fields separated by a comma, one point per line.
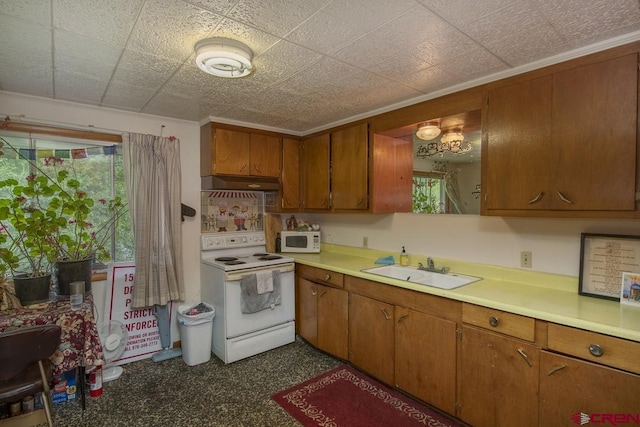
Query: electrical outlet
x=525, y=259
x=365, y=242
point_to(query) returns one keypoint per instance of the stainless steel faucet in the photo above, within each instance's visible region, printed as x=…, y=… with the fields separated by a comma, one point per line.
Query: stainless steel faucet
x=431, y=267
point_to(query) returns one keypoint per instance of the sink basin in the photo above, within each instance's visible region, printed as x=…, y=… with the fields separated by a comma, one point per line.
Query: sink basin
x=422, y=277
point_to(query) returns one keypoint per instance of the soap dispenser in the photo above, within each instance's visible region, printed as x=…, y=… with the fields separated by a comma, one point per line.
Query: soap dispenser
x=404, y=258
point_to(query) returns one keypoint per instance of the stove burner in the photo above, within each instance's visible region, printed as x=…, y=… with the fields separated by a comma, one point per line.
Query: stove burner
x=259, y=254
x=234, y=262
x=269, y=257
x=226, y=258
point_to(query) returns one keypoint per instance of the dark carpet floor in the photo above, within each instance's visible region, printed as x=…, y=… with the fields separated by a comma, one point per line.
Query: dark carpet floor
x=170, y=393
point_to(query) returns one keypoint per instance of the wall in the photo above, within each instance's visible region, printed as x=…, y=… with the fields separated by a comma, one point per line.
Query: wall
x=102, y=118
x=554, y=243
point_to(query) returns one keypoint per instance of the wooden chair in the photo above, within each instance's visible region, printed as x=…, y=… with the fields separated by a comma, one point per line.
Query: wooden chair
x=25, y=369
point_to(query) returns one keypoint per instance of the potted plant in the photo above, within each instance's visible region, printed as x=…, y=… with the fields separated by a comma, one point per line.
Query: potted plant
x=47, y=221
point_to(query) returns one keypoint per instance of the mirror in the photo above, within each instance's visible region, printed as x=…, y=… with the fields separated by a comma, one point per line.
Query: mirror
x=446, y=167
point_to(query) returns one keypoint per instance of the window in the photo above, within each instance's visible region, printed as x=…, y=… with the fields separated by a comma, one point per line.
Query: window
x=97, y=165
x=428, y=193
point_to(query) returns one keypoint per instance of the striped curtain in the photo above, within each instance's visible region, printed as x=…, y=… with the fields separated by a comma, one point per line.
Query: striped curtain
x=153, y=178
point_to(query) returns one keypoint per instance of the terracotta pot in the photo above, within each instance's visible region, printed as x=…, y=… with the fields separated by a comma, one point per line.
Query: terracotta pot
x=73, y=271
x=32, y=290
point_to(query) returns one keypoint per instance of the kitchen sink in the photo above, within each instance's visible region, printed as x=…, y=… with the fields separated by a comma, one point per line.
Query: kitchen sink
x=423, y=277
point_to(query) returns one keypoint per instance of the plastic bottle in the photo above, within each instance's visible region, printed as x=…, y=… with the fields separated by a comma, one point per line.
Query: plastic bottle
x=404, y=258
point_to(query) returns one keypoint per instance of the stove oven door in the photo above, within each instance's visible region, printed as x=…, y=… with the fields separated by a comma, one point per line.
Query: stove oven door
x=238, y=323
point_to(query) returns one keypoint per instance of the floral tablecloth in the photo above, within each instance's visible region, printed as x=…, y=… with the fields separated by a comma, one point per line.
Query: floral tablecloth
x=79, y=343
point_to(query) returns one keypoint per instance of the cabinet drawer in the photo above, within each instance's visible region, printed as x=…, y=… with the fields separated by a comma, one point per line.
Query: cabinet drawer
x=320, y=275
x=500, y=321
x=598, y=348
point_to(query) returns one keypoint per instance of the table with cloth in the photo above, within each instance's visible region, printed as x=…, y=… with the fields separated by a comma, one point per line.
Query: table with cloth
x=80, y=345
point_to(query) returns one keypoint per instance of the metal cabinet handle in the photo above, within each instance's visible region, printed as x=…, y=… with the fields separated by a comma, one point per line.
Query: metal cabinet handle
x=360, y=201
x=494, y=321
x=245, y=166
x=322, y=293
x=257, y=169
x=564, y=199
x=386, y=315
x=401, y=318
x=313, y=292
x=535, y=199
x=556, y=369
x=327, y=277
x=525, y=357
x=596, y=350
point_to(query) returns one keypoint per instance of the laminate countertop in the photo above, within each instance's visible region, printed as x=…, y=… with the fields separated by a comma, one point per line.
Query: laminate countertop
x=543, y=296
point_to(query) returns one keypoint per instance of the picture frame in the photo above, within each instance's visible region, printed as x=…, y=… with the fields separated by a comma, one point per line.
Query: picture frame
x=603, y=260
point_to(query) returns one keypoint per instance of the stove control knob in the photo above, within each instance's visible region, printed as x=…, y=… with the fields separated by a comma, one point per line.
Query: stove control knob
x=254, y=238
x=261, y=238
x=244, y=239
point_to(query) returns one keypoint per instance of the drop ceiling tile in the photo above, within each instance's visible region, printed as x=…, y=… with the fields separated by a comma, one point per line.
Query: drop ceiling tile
x=578, y=21
x=242, y=114
x=171, y=105
x=221, y=7
x=78, y=87
x=337, y=33
x=281, y=61
x=475, y=64
x=459, y=12
x=29, y=10
x=22, y=37
x=171, y=30
x=320, y=77
x=367, y=51
x=21, y=77
x=258, y=41
x=429, y=79
x=275, y=17
x=127, y=97
x=144, y=70
x=110, y=21
x=366, y=15
x=189, y=80
x=79, y=54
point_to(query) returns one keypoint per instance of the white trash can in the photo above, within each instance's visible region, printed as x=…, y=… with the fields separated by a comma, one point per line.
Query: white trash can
x=196, y=328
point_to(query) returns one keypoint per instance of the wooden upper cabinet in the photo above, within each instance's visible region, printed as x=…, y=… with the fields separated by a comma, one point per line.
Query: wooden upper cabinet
x=232, y=152
x=391, y=178
x=565, y=141
x=350, y=167
x=291, y=188
x=265, y=155
x=315, y=172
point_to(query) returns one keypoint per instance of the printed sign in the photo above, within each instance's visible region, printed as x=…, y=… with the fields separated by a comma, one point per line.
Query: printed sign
x=142, y=326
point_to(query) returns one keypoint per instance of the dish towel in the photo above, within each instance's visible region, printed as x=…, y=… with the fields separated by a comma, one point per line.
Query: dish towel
x=264, y=281
x=251, y=301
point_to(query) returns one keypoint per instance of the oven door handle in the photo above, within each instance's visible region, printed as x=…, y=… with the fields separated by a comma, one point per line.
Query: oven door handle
x=237, y=275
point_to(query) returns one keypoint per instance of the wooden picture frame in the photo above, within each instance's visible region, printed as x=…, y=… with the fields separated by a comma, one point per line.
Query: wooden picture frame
x=603, y=259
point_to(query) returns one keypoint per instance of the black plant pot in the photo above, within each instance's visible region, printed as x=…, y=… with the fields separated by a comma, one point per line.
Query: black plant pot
x=73, y=271
x=32, y=290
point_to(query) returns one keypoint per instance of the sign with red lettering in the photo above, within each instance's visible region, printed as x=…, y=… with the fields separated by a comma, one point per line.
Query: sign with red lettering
x=142, y=326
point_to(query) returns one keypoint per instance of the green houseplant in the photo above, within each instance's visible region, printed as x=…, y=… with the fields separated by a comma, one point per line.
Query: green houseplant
x=47, y=220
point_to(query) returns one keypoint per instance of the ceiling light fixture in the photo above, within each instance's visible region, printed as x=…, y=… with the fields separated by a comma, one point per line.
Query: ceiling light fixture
x=428, y=131
x=451, y=142
x=224, y=57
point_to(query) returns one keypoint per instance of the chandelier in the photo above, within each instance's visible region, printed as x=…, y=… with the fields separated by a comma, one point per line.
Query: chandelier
x=451, y=142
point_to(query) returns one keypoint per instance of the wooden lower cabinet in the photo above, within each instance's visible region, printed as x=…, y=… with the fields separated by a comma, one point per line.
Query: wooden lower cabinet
x=498, y=380
x=322, y=317
x=371, y=336
x=570, y=387
x=425, y=357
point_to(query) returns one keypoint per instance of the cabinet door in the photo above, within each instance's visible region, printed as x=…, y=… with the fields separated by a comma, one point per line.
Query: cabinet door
x=392, y=175
x=307, y=310
x=333, y=321
x=349, y=167
x=570, y=387
x=519, y=150
x=290, y=174
x=265, y=155
x=594, y=136
x=315, y=169
x=425, y=357
x=497, y=380
x=371, y=336
x=232, y=150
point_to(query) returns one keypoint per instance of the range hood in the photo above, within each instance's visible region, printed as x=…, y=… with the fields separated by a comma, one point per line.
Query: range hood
x=253, y=183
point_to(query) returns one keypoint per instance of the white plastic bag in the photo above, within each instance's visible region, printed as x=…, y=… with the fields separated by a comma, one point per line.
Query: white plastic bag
x=192, y=315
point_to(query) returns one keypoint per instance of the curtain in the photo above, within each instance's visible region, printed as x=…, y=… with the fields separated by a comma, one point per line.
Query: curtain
x=452, y=191
x=153, y=180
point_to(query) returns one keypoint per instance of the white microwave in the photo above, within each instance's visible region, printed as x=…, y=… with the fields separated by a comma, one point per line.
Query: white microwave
x=300, y=241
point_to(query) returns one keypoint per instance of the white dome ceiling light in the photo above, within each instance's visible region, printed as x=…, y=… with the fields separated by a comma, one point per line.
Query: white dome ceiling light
x=428, y=131
x=224, y=57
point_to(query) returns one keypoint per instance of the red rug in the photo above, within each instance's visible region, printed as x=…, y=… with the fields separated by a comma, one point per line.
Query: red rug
x=346, y=397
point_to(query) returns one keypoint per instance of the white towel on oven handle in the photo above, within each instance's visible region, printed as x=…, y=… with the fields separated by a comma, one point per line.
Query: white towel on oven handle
x=264, y=281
